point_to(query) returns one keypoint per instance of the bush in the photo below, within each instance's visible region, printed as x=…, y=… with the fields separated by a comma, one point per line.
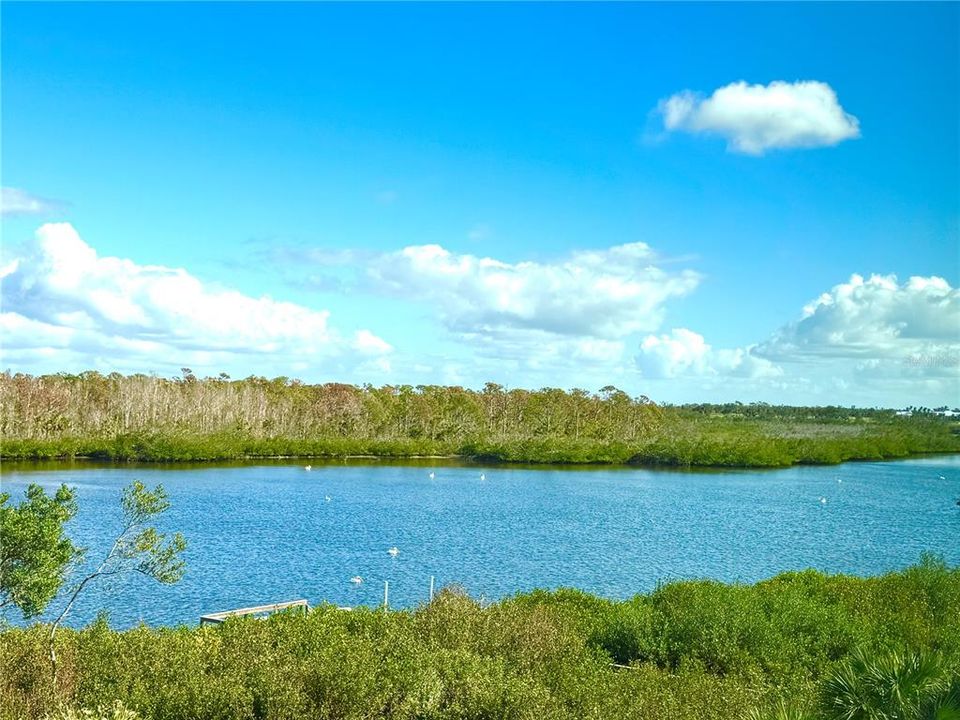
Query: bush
x=798, y=646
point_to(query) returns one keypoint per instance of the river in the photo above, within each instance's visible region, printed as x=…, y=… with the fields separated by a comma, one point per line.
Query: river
x=269, y=532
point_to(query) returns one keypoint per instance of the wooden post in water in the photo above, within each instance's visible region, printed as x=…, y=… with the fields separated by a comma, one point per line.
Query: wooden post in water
x=431, y=588
x=386, y=594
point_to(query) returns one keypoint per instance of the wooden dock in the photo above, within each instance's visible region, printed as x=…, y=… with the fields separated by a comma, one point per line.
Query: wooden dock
x=219, y=617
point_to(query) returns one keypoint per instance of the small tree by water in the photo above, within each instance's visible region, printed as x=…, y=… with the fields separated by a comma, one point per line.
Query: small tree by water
x=35, y=553
x=138, y=548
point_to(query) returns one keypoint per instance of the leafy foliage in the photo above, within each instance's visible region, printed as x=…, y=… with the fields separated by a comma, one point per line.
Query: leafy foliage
x=795, y=647
x=138, y=548
x=35, y=554
x=115, y=711
x=892, y=686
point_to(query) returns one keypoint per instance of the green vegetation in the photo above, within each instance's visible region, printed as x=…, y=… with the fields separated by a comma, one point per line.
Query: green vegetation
x=36, y=558
x=903, y=685
x=801, y=645
x=35, y=555
x=140, y=417
x=137, y=548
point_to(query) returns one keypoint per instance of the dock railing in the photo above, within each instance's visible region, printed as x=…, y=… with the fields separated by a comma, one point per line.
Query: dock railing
x=219, y=617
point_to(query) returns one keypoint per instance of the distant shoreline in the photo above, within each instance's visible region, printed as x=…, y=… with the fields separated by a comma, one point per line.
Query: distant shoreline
x=460, y=459
x=121, y=418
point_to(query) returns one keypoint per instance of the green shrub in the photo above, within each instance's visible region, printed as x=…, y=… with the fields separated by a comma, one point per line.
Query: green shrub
x=799, y=646
x=114, y=711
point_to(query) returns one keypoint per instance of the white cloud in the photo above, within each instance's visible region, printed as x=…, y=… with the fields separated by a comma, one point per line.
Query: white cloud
x=876, y=319
x=14, y=201
x=563, y=321
x=597, y=293
x=682, y=352
x=14, y=327
x=9, y=268
x=757, y=118
x=672, y=354
x=866, y=341
x=62, y=295
x=366, y=343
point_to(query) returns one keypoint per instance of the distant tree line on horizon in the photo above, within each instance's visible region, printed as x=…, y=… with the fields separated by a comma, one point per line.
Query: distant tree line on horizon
x=189, y=418
x=48, y=406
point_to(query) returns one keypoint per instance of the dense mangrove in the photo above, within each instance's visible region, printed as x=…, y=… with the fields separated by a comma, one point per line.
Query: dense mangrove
x=143, y=417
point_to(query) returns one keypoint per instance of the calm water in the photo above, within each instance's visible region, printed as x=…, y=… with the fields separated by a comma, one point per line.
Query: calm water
x=267, y=533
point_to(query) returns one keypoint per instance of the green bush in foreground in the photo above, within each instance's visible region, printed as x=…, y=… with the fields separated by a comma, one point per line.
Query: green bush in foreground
x=800, y=646
x=895, y=685
x=116, y=711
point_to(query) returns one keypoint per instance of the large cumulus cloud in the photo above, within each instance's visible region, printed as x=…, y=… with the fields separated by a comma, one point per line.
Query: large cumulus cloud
x=60, y=296
x=876, y=318
x=607, y=293
x=873, y=340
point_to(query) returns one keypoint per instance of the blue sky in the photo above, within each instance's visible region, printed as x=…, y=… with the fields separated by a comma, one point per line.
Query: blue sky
x=433, y=193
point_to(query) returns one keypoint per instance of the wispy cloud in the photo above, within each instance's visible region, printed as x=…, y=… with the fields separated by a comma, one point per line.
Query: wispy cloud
x=14, y=201
x=757, y=118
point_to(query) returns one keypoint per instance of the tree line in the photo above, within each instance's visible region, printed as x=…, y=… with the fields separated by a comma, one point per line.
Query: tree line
x=92, y=404
x=144, y=417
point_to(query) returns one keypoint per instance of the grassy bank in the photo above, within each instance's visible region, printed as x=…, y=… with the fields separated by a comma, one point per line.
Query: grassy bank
x=188, y=419
x=734, y=447
x=694, y=649
x=712, y=444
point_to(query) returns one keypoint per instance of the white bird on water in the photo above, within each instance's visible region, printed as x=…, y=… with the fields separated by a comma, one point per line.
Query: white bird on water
x=823, y=501
x=393, y=551
x=327, y=498
x=356, y=579
x=308, y=468
x=942, y=477
x=431, y=476
x=482, y=476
